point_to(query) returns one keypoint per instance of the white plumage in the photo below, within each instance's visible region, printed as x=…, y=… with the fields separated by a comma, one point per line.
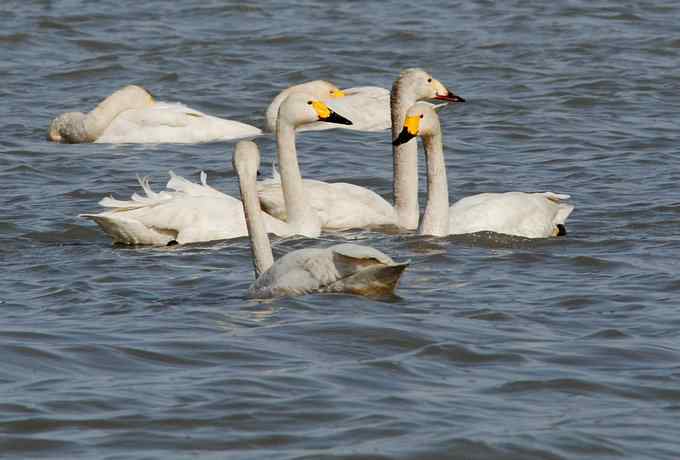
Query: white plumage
x=342, y=206
x=172, y=123
x=187, y=212
x=530, y=215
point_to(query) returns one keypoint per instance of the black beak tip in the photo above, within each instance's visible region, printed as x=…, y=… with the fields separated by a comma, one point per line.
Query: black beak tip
x=337, y=119
x=403, y=137
x=450, y=97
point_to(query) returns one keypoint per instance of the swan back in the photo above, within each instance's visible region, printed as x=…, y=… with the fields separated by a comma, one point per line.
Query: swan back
x=317, y=89
x=347, y=268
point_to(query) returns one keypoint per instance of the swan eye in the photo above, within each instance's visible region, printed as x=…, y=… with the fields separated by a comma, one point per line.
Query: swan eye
x=309, y=102
x=429, y=80
x=421, y=115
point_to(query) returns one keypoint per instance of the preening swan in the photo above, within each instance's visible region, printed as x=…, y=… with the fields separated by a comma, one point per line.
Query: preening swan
x=131, y=115
x=531, y=215
x=188, y=212
x=343, y=206
x=347, y=268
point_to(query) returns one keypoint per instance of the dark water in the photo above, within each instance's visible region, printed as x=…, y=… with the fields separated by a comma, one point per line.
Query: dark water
x=496, y=349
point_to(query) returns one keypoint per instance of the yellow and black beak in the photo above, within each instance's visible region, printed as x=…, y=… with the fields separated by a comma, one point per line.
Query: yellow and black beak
x=326, y=114
x=411, y=129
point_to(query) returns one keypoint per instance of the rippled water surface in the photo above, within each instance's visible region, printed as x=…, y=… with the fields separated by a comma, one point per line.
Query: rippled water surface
x=496, y=348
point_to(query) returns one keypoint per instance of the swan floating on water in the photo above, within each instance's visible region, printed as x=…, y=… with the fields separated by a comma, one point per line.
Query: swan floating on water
x=132, y=115
x=347, y=268
x=189, y=212
x=342, y=206
x=367, y=106
x=530, y=215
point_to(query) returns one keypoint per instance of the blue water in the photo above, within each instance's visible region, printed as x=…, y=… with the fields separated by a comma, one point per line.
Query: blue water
x=496, y=348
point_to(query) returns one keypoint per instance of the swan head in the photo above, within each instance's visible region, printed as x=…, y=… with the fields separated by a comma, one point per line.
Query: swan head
x=424, y=86
x=300, y=109
x=421, y=120
x=318, y=89
x=246, y=160
x=67, y=127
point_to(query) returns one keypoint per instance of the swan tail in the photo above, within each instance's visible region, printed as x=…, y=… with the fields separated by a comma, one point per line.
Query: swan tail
x=563, y=209
x=129, y=231
x=137, y=201
x=182, y=185
x=563, y=212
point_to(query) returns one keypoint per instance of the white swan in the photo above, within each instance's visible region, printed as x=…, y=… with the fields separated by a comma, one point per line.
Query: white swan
x=367, y=106
x=131, y=115
x=189, y=212
x=531, y=215
x=347, y=268
x=343, y=206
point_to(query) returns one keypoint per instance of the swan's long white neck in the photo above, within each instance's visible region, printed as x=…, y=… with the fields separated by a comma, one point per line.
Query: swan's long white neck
x=100, y=118
x=436, y=217
x=405, y=157
x=259, y=240
x=301, y=217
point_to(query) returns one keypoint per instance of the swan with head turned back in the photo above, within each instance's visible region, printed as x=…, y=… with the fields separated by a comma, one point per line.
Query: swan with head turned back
x=343, y=206
x=347, y=268
x=189, y=213
x=131, y=115
x=530, y=215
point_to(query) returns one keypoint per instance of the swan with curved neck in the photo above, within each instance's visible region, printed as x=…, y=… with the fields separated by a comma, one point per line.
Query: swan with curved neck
x=77, y=127
x=347, y=268
x=530, y=215
x=191, y=212
x=343, y=206
x=130, y=115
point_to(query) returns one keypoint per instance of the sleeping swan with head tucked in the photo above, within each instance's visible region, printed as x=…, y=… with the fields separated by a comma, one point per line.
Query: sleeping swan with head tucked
x=131, y=115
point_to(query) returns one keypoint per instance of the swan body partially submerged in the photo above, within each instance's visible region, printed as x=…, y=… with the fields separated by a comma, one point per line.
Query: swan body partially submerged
x=347, y=268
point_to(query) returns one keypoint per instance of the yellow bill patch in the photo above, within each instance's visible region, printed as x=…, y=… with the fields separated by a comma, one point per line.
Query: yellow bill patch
x=412, y=124
x=321, y=109
x=337, y=93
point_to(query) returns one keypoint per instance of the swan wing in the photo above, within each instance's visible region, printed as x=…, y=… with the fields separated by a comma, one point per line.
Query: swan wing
x=340, y=206
x=346, y=268
x=191, y=213
x=296, y=273
x=185, y=219
x=172, y=123
x=531, y=215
